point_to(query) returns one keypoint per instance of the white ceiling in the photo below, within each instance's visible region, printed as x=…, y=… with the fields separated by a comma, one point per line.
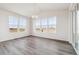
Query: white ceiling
x=33, y=8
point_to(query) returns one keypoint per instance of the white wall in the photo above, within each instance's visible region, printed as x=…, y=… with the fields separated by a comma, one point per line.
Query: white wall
x=62, y=25
x=4, y=29
x=70, y=27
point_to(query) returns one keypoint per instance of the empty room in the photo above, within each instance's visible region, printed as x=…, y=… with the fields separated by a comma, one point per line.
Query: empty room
x=39, y=28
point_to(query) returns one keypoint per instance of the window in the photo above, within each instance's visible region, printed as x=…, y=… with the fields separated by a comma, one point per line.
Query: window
x=52, y=24
x=16, y=24
x=45, y=24
x=78, y=21
x=37, y=25
x=22, y=24
x=75, y=28
x=13, y=22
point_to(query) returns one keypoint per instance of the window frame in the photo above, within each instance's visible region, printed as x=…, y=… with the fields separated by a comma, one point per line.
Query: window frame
x=17, y=20
x=22, y=24
x=46, y=26
x=11, y=26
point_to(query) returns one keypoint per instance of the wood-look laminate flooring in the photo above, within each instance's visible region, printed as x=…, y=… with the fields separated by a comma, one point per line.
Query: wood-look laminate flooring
x=35, y=46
